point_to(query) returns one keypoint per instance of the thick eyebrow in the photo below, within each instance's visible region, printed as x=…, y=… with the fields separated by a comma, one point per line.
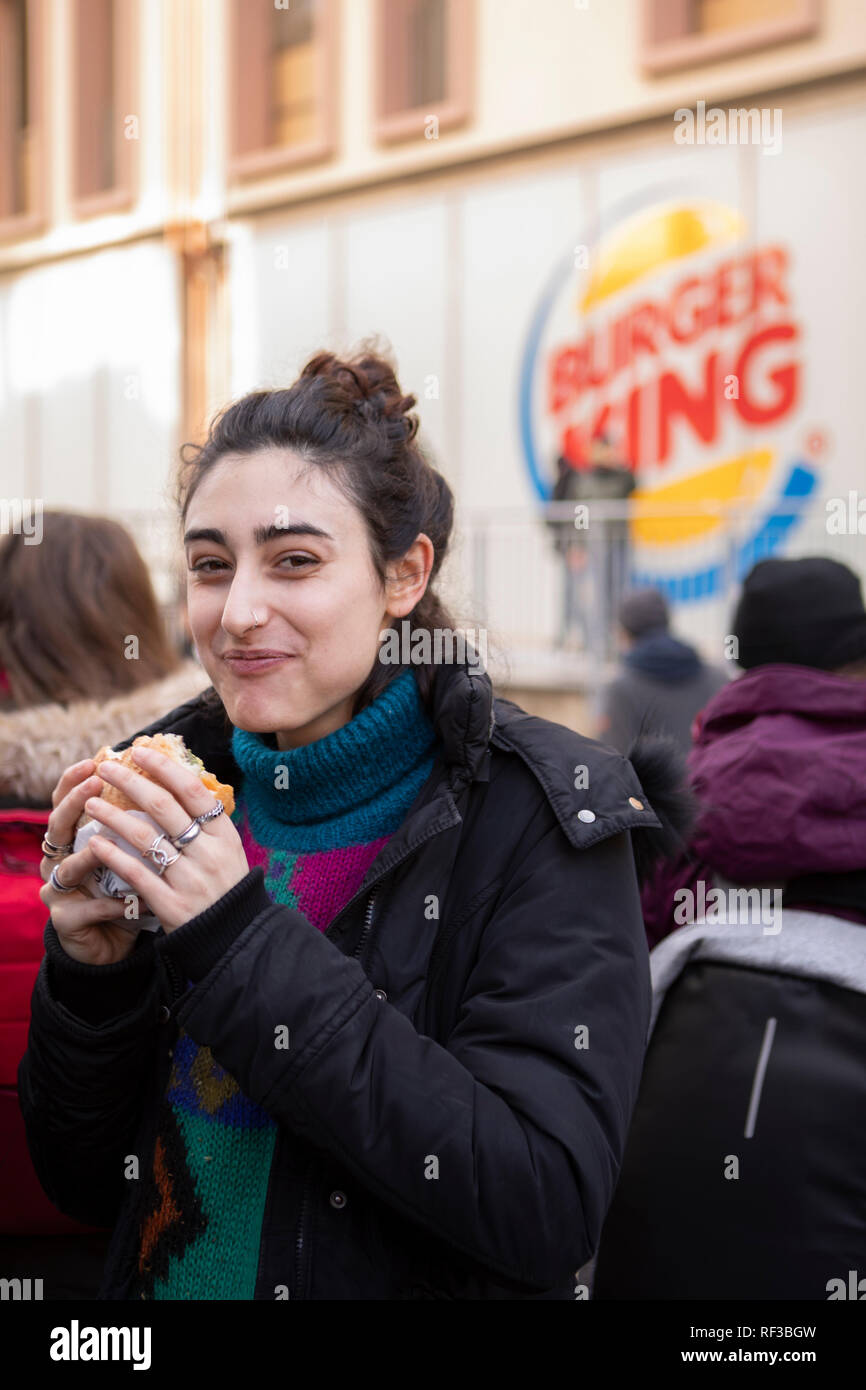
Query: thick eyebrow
x=261, y=534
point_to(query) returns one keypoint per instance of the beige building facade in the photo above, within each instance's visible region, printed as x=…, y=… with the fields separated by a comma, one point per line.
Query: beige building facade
x=195, y=195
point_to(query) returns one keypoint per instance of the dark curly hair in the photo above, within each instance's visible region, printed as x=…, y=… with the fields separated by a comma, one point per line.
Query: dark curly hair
x=349, y=417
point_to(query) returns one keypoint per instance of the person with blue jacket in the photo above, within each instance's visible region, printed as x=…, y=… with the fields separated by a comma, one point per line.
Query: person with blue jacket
x=663, y=682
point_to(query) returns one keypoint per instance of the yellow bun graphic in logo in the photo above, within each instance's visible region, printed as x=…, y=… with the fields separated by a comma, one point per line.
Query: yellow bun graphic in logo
x=655, y=238
x=680, y=511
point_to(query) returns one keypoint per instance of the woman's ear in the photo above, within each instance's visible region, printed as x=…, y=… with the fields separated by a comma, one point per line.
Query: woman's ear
x=407, y=578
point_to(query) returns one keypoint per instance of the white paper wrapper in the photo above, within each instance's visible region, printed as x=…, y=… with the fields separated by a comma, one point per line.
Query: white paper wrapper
x=110, y=884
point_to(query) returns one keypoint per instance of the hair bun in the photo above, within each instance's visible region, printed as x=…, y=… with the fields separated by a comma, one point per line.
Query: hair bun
x=373, y=407
x=367, y=385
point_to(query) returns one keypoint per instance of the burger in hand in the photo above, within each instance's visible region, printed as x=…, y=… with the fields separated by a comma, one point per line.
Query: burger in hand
x=172, y=746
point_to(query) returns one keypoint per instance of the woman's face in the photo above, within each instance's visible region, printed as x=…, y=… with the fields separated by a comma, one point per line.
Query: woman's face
x=294, y=550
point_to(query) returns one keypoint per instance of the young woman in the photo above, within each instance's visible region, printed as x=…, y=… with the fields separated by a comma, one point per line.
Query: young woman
x=388, y=1041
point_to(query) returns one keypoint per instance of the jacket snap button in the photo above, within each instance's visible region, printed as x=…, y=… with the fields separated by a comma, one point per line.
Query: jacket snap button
x=164, y=1013
x=380, y=994
x=338, y=1199
x=586, y=816
x=633, y=801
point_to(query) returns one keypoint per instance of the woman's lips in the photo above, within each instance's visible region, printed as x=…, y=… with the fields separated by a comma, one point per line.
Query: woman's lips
x=252, y=666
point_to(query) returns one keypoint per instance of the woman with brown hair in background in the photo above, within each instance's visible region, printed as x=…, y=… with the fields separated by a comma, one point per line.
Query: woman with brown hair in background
x=84, y=658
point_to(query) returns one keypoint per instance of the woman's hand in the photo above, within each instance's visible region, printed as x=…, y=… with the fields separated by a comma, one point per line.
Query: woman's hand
x=93, y=930
x=207, y=867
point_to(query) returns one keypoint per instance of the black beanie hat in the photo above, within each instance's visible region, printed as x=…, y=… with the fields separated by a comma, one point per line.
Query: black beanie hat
x=805, y=612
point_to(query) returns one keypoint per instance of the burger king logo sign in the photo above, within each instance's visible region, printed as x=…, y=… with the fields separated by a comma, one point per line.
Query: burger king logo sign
x=678, y=338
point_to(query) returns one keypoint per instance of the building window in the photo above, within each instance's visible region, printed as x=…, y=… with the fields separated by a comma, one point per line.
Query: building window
x=22, y=120
x=679, y=33
x=104, y=127
x=283, y=84
x=424, y=63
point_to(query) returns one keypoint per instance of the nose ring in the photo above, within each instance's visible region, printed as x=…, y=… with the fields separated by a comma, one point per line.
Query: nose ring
x=256, y=620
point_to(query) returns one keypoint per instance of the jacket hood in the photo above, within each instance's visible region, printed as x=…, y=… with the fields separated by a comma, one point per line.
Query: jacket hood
x=470, y=719
x=779, y=768
x=664, y=658
x=39, y=742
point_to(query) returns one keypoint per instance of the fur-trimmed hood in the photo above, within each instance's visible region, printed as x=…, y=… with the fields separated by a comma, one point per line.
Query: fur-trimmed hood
x=38, y=743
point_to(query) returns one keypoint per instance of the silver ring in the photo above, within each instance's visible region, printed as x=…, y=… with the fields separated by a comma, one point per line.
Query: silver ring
x=159, y=856
x=61, y=887
x=186, y=836
x=55, y=851
x=209, y=815
x=164, y=862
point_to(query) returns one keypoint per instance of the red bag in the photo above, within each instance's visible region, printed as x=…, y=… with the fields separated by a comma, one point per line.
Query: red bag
x=24, y=1207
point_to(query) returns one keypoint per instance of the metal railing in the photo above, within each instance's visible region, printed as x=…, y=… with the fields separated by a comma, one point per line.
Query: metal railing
x=512, y=570
x=507, y=565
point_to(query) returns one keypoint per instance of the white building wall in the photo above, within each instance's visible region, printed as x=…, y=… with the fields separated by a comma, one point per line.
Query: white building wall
x=451, y=277
x=90, y=385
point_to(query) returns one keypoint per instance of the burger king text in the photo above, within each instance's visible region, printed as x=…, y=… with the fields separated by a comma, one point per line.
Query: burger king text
x=586, y=395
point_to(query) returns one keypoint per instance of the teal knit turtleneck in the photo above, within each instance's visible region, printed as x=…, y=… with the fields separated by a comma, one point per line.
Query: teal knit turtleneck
x=350, y=786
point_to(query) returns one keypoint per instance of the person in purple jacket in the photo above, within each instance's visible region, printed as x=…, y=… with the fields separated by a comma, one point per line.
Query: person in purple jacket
x=745, y=1169
x=775, y=758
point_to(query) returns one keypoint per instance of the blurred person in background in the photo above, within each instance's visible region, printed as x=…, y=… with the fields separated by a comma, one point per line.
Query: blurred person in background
x=594, y=547
x=664, y=681
x=745, y=1169
x=609, y=480
x=570, y=543
x=71, y=679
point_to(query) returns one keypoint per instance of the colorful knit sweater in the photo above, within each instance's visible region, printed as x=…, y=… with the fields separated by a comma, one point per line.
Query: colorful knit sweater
x=314, y=818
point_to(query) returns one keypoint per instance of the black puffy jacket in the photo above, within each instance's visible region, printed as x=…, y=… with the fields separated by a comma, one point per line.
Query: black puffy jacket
x=483, y=1001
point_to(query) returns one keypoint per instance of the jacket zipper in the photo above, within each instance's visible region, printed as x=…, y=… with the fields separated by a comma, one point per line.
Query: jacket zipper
x=300, y=1230
x=299, y=1236
x=357, y=955
x=299, y=1239
x=368, y=922
x=368, y=919
x=174, y=980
